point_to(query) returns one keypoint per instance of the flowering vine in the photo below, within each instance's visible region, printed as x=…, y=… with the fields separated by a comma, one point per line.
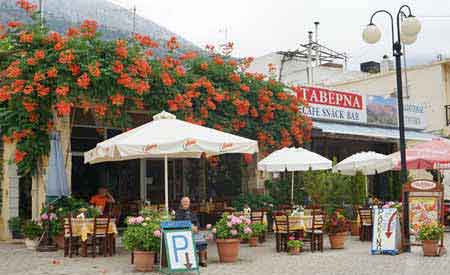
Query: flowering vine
x=43, y=73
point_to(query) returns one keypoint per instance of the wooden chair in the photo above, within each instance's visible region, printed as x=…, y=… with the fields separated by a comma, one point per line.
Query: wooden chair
x=71, y=242
x=258, y=217
x=100, y=237
x=285, y=228
x=314, y=234
x=366, y=224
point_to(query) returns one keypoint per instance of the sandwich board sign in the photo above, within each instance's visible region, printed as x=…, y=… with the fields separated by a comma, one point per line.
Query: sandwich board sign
x=178, y=248
x=386, y=237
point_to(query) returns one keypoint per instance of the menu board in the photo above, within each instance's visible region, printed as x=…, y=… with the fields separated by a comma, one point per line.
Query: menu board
x=386, y=237
x=422, y=210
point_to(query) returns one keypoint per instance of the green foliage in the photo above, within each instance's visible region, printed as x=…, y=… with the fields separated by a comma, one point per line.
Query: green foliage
x=254, y=201
x=294, y=243
x=326, y=187
x=232, y=227
x=32, y=230
x=142, y=237
x=15, y=224
x=358, y=189
x=69, y=205
x=280, y=189
x=431, y=232
x=258, y=229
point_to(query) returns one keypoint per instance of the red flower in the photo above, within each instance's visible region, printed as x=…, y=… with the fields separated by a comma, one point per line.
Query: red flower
x=180, y=71
x=13, y=70
x=75, y=69
x=62, y=90
x=117, y=67
x=211, y=104
x=253, y=112
x=121, y=50
x=28, y=89
x=235, y=78
x=218, y=60
x=117, y=99
x=94, y=69
x=146, y=41
x=173, y=44
x=188, y=55
x=66, y=57
x=38, y=76
x=17, y=86
x=14, y=24
x=167, y=79
x=29, y=106
x=84, y=81
x=63, y=108
x=204, y=66
x=42, y=90
x=71, y=32
x=26, y=37
x=26, y=6
x=39, y=54
x=88, y=28
x=100, y=110
x=245, y=88
x=242, y=106
x=248, y=158
x=173, y=106
x=282, y=96
x=52, y=72
x=31, y=61
x=19, y=156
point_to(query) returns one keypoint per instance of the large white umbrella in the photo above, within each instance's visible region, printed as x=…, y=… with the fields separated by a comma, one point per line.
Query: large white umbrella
x=368, y=163
x=167, y=137
x=293, y=159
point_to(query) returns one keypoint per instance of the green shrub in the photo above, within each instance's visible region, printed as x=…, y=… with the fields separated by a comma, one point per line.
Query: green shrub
x=15, y=224
x=430, y=232
x=254, y=201
x=32, y=230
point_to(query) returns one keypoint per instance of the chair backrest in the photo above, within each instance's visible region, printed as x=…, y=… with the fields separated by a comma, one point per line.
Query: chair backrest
x=281, y=223
x=365, y=216
x=257, y=216
x=318, y=218
x=101, y=225
x=68, y=229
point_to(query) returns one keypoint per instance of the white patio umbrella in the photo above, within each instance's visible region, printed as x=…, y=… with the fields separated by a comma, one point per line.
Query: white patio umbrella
x=368, y=163
x=293, y=159
x=167, y=137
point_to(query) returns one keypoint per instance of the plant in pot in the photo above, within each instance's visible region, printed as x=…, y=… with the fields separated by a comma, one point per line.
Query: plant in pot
x=257, y=230
x=430, y=234
x=294, y=246
x=337, y=228
x=33, y=232
x=142, y=236
x=229, y=230
x=15, y=227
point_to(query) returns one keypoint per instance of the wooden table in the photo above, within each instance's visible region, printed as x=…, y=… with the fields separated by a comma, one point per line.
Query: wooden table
x=85, y=227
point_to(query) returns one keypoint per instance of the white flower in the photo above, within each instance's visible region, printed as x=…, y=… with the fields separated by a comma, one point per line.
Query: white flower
x=144, y=224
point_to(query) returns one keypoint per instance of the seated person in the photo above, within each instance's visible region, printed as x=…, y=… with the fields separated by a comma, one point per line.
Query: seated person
x=184, y=213
x=101, y=199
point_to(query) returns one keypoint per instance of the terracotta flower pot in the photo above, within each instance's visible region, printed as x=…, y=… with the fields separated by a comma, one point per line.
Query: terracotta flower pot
x=31, y=244
x=59, y=241
x=337, y=240
x=355, y=228
x=144, y=260
x=228, y=250
x=253, y=242
x=430, y=247
x=295, y=250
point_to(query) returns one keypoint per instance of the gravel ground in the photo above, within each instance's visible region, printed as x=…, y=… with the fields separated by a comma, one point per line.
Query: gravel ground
x=354, y=259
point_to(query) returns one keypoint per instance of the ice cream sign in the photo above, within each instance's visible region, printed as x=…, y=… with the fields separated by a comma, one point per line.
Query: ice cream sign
x=333, y=105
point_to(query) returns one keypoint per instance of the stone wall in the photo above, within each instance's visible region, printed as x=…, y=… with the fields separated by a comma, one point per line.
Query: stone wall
x=10, y=190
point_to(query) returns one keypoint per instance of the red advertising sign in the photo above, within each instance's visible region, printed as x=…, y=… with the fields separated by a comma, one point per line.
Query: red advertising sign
x=323, y=96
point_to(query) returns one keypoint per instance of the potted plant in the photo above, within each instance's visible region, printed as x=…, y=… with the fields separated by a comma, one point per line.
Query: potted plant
x=257, y=230
x=142, y=236
x=337, y=228
x=430, y=234
x=229, y=230
x=294, y=246
x=15, y=226
x=33, y=232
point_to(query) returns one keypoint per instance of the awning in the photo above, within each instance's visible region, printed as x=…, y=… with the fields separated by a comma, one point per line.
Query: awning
x=370, y=131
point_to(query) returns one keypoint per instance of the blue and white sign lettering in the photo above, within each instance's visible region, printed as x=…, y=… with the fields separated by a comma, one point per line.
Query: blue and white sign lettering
x=180, y=250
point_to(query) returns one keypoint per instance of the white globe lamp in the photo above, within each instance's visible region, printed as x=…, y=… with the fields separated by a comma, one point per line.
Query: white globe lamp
x=408, y=40
x=410, y=26
x=371, y=34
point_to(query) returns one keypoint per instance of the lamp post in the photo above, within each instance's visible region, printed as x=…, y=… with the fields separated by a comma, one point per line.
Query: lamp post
x=404, y=31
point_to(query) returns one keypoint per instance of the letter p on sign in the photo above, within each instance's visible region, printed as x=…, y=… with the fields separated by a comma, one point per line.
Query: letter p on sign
x=180, y=243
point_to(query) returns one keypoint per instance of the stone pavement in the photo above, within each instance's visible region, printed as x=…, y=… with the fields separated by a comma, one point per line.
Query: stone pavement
x=354, y=259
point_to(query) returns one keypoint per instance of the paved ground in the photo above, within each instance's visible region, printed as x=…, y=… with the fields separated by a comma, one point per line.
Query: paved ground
x=354, y=259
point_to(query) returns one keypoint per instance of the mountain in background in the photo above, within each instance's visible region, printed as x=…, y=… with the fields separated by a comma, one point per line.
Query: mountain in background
x=114, y=21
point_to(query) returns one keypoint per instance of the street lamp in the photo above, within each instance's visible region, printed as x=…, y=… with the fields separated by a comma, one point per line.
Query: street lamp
x=406, y=30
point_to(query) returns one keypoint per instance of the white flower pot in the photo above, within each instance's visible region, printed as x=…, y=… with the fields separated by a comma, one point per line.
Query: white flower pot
x=31, y=244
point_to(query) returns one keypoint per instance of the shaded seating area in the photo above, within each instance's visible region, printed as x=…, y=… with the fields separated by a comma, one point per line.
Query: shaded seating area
x=366, y=224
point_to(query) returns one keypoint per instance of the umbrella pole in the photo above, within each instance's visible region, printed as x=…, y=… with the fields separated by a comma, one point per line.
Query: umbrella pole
x=166, y=183
x=292, y=189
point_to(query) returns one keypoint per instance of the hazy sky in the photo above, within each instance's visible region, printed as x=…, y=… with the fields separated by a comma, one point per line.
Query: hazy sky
x=258, y=27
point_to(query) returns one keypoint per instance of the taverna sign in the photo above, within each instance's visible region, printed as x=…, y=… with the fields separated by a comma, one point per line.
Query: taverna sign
x=333, y=105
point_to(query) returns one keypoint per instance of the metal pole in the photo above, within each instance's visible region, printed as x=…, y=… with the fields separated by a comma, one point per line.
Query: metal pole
x=166, y=183
x=310, y=78
x=401, y=127
x=292, y=189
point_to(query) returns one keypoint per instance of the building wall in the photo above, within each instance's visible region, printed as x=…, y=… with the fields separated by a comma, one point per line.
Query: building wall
x=426, y=85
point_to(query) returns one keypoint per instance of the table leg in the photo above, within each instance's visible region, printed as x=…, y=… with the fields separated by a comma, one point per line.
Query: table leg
x=84, y=248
